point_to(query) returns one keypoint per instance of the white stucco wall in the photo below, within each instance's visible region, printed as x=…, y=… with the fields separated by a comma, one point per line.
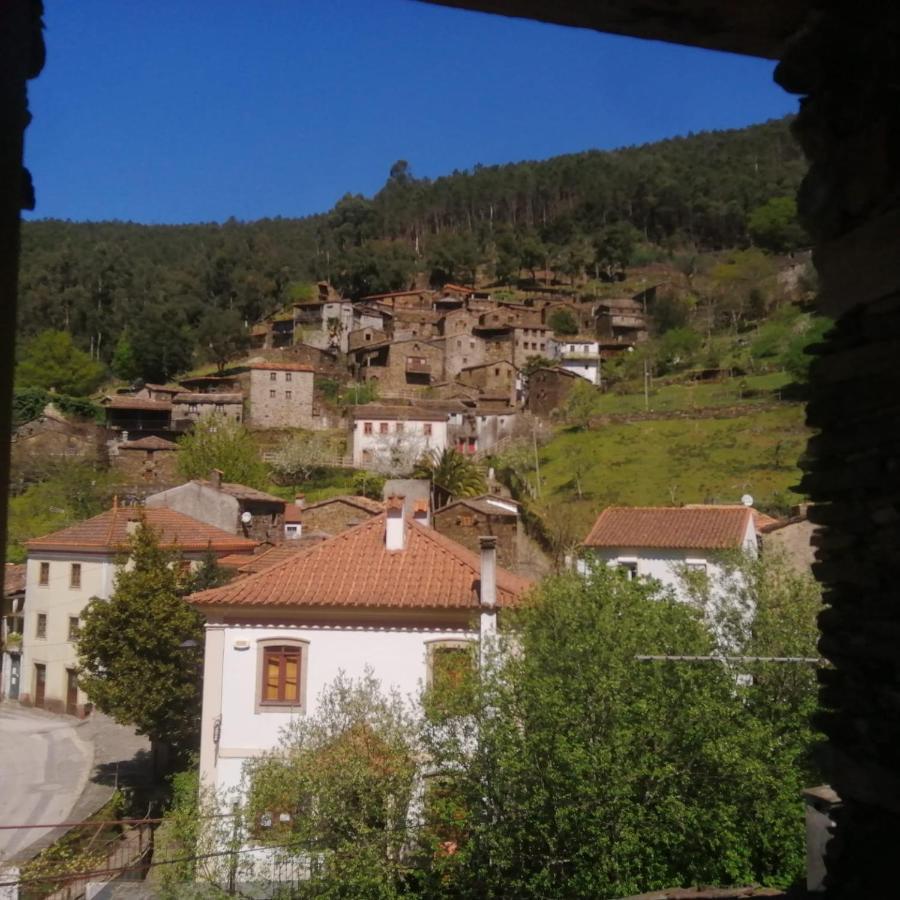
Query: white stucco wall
x=589, y=369
x=410, y=440
x=397, y=657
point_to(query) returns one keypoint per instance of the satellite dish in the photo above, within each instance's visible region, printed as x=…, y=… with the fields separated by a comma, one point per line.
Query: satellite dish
x=747, y=500
x=246, y=518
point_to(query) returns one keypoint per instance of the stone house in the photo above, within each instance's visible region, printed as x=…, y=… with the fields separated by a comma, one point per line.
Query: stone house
x=231, y=383
x=391, y=438
x=480, y=428
x=462, y=351
x=795, y=537
x=234, y=508
x=548, y=388
x=622, y=320
x=53, y=435
x=515, y=314
x=280, y=395
x=358, y=601
x=460, y=321
x=67, y=569
x=138, y=415
x=466, y=519
x=579, y=354
x=498, y=377
x=397, y=300
x=400, y=366
x=187, y=407
x=367, y=336
x=337, y=514
x=164, y=392
x=415, y=323
x=530, y=341
x=146, y=460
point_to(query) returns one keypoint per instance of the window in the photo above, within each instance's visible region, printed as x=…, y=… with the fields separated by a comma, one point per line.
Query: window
x=282, y=674
x=291, y=531
x=458, y=345
x=496, y=371
x=399, y=427
x=428, y=429
x=383, y=427
x=44, y=577
x=287, y=395
x=287, y=376
x=73, y=628
x=75, y=576
x=628, y=568
x=40, y=630
x=273, y=376
x=271, y=395
x=696, y=565
x=367, y=427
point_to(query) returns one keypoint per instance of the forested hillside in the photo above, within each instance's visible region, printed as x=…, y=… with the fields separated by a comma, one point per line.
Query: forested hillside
x=157, y=293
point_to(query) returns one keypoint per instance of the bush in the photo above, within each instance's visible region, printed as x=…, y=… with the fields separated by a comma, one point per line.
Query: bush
x=369, y=484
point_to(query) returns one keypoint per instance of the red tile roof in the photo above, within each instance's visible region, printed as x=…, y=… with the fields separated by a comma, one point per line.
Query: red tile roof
x=406, y=413
x=364, y=503
x=355, y=569
x=213, y=397
x=274, y=555
x=686, y=528
x=13, y=578
x=149, y=443
x=282, y=366
x=109, y=531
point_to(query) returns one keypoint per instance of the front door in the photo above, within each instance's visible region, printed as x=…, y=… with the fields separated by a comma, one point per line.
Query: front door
x=15, y=668
x=40, y=683
x=71, y=692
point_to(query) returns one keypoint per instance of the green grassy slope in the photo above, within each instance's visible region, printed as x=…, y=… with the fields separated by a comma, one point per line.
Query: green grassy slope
x=675, y=461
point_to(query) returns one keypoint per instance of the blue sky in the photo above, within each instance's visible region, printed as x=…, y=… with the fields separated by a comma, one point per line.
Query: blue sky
x=197, y=110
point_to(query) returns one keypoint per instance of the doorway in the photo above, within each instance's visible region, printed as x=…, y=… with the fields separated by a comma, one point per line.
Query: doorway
x=40, y=684
x=71, y=692
x=15, y=669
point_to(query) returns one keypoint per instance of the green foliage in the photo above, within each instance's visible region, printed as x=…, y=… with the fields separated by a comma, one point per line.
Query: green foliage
x=775, y=226
x=67, y=493
x=131, y=663
x=368, y=484
x=161, y=343
x=358, y=393
x=452, y=258
x=52, y=361
x=677, y=348
x=536, y=362
x=587, y=773
x=218, y=442
x=303, y=455
x=29, y=403
x=797, y=358
x=345, y=777
x=222, y=336
x=562, y=322
x=375, y=267
x=451, y=473
x=614, y=245
x=124, y=364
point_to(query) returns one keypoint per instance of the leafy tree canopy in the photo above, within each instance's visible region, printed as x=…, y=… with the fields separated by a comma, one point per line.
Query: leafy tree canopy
x=52, y=361
x=222, y=335
x=774, y=225
x=131, y=663
x=451, y=473
x=219, y=442
x=562, y=322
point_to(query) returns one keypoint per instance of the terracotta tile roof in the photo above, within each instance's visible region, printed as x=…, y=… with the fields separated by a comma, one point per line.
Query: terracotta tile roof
x=364, y=503
x=762, y=521
x=685, y=528
x=149, y=443
x=282, y=366
x=235, y=560
x=168, y=388
x=355, y=569
x=406, y=413
x=13, y=578
x=108, y=532
x=136, y=403
x=274, y=555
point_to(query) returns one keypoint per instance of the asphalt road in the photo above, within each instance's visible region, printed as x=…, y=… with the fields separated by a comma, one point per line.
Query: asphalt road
x=44, y=766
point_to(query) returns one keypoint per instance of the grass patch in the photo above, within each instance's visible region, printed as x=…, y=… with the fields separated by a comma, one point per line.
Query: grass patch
x=675, y=461
x=330, y=483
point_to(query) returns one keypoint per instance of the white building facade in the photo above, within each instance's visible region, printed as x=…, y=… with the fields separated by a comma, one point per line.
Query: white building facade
x=393, y=438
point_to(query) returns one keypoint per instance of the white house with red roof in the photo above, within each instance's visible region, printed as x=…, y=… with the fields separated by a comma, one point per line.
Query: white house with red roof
x=390, y=594
x=662, y=542
x=67, y=569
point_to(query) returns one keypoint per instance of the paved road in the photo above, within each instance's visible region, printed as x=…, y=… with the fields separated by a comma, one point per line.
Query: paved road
x=44, y=766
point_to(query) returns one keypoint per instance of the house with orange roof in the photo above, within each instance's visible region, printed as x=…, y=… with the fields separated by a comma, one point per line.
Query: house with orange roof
x=662, y=542
x=67, y=569
x=391, y=595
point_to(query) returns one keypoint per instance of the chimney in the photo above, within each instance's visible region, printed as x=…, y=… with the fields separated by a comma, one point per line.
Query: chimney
x=394, y=526
x=300, y=500
x=420, y=513
x=488, y=545
x=215, y=478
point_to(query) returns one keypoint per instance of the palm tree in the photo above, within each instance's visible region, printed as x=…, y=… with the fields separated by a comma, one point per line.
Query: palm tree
x=451, y=475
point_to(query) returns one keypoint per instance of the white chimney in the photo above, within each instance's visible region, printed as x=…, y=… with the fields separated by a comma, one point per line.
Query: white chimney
x=394, y=526
x=300, y=500
x=487, y=626
x=488, y=545
x=420, y=512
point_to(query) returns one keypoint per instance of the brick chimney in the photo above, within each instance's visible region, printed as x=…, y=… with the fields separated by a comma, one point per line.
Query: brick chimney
x=215, y=478
x=394, y=526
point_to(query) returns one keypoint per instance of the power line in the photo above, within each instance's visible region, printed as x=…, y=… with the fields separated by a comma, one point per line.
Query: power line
x=811, y=660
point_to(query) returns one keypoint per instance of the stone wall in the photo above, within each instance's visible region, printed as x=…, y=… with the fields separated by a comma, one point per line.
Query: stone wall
x=548, y=390
x=280, y=398
x=465, y=525
x=333, y=518
x=156, y=467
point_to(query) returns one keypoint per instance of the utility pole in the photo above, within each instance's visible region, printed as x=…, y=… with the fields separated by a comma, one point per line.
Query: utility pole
x=537, y=462
x=647, y=384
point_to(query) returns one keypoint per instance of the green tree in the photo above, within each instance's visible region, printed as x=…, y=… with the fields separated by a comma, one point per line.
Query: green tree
x=368, y=484
x=677, y=348
x=161, y=342
x=303, y=455
x=131, y=662
x=218, y=442
x=345, y=777
x=52, y=361
x=124, y=364
x=587, y=772
x=222, y=336
x=775, y=226
x=562, y=322
x=451, y=474
x=797, y=356
x=613, y=248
